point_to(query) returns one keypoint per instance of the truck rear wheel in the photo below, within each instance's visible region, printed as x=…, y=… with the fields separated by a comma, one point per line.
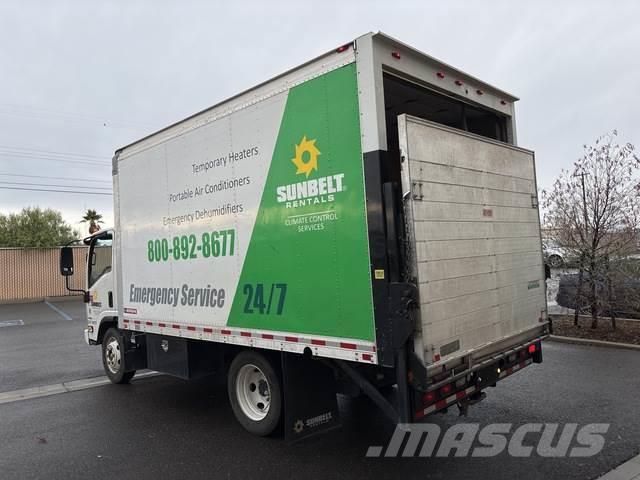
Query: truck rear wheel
x=255, y=393
x=113, y=357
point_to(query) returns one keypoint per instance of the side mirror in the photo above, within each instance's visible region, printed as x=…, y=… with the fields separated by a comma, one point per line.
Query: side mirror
x=66, y=261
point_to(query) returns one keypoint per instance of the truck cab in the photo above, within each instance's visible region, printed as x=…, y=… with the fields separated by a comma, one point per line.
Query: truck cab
x=100, y=282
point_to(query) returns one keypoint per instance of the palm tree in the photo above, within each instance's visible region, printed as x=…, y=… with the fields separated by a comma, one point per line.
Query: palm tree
x=94, y=218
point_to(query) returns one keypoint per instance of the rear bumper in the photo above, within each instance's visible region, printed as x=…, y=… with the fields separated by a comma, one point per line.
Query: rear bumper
x=461, y=388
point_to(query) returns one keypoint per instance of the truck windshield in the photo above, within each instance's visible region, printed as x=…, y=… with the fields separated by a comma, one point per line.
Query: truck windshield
x=100, y=258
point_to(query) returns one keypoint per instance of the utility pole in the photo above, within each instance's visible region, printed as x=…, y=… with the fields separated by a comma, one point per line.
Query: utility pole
x=585, y=217
x=584, y=203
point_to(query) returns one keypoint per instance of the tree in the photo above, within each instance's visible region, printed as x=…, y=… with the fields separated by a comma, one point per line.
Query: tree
x=593, y=211
x=94, y=218
x=34, y=227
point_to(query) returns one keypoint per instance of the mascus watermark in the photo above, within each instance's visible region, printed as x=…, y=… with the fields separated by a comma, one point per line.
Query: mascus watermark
x=474, y=440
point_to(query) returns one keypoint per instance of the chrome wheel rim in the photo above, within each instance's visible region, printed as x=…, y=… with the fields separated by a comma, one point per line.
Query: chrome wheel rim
x=253, y=392
x=113, y=356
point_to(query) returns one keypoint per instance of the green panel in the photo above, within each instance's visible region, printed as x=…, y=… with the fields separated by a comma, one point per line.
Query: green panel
x=307, y=265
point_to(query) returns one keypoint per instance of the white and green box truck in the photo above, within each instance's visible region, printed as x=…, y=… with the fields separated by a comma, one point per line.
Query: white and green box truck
x=363, y=220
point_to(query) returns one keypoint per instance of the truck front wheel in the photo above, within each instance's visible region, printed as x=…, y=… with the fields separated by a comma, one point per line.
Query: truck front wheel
x=113, y=357
x=255, y=393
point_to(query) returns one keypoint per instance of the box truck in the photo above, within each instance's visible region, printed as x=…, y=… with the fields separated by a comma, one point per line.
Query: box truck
x=363, y=221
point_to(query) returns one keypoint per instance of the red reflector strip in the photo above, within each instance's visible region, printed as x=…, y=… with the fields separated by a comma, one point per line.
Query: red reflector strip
x=367, y=357
x=343, y=48
x=290, y=339
x=245, y=334
x=191, y=329
x=461, y=394
x=207, y=330
x=441, y=404
x=267, y=336
x=137, y=322
x=149, y=324
x=162, y=325
x=351, y=346
x=318, y=342
x=225, y=332
x=176, y=326
x=429, y=397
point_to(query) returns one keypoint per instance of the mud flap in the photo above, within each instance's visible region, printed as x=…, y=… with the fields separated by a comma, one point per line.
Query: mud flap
x=310, y=402
x=135, y=352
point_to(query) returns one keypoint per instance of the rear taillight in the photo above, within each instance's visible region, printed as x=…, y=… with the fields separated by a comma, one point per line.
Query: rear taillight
x=446, y=390
x=532, y=348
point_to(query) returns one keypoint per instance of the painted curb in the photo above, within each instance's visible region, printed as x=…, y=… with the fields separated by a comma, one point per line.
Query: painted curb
x=597, y=343
x=629, y=470
x=64, y=387
x=588, y=317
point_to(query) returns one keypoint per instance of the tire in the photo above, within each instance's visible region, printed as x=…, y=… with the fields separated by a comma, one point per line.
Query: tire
x=555, y=261
x=255, y=393
x=113, y=357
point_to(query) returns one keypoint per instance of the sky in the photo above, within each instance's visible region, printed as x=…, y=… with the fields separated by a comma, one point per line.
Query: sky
x=80, y=79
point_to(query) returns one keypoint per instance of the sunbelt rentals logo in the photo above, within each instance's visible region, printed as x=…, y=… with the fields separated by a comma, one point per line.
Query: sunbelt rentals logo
x=310, y=191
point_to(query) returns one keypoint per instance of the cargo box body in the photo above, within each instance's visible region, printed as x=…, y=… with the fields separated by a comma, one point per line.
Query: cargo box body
x=283, y=217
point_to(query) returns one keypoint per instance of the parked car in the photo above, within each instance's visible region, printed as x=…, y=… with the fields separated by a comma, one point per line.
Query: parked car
x=554, y=255
x=625, y=291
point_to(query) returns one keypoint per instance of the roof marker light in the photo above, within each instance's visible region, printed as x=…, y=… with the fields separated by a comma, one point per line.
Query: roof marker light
x=440, y=75
x=459, y=83
x=343, y=48
x=396, y=55
x=502, y=102
x=479, y=92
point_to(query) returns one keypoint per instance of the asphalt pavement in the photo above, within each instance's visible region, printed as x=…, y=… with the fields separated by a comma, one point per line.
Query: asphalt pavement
x=160, y=427
x=42, y=343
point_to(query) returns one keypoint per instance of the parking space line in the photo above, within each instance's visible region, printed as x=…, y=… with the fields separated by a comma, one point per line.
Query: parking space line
x=64, y=315
x=64, y=387
x=12, y=323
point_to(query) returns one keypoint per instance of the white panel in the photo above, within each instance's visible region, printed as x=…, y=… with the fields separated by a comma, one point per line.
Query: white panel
x=154, y=180
x=490, y=158
x=427, y=211
x=477, y=253
x=447, y=231
x=449, y=175
x=441, y=250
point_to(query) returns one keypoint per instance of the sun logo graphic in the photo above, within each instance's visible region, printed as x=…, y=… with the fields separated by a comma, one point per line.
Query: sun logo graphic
x=309, y=191
x=306, y=158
